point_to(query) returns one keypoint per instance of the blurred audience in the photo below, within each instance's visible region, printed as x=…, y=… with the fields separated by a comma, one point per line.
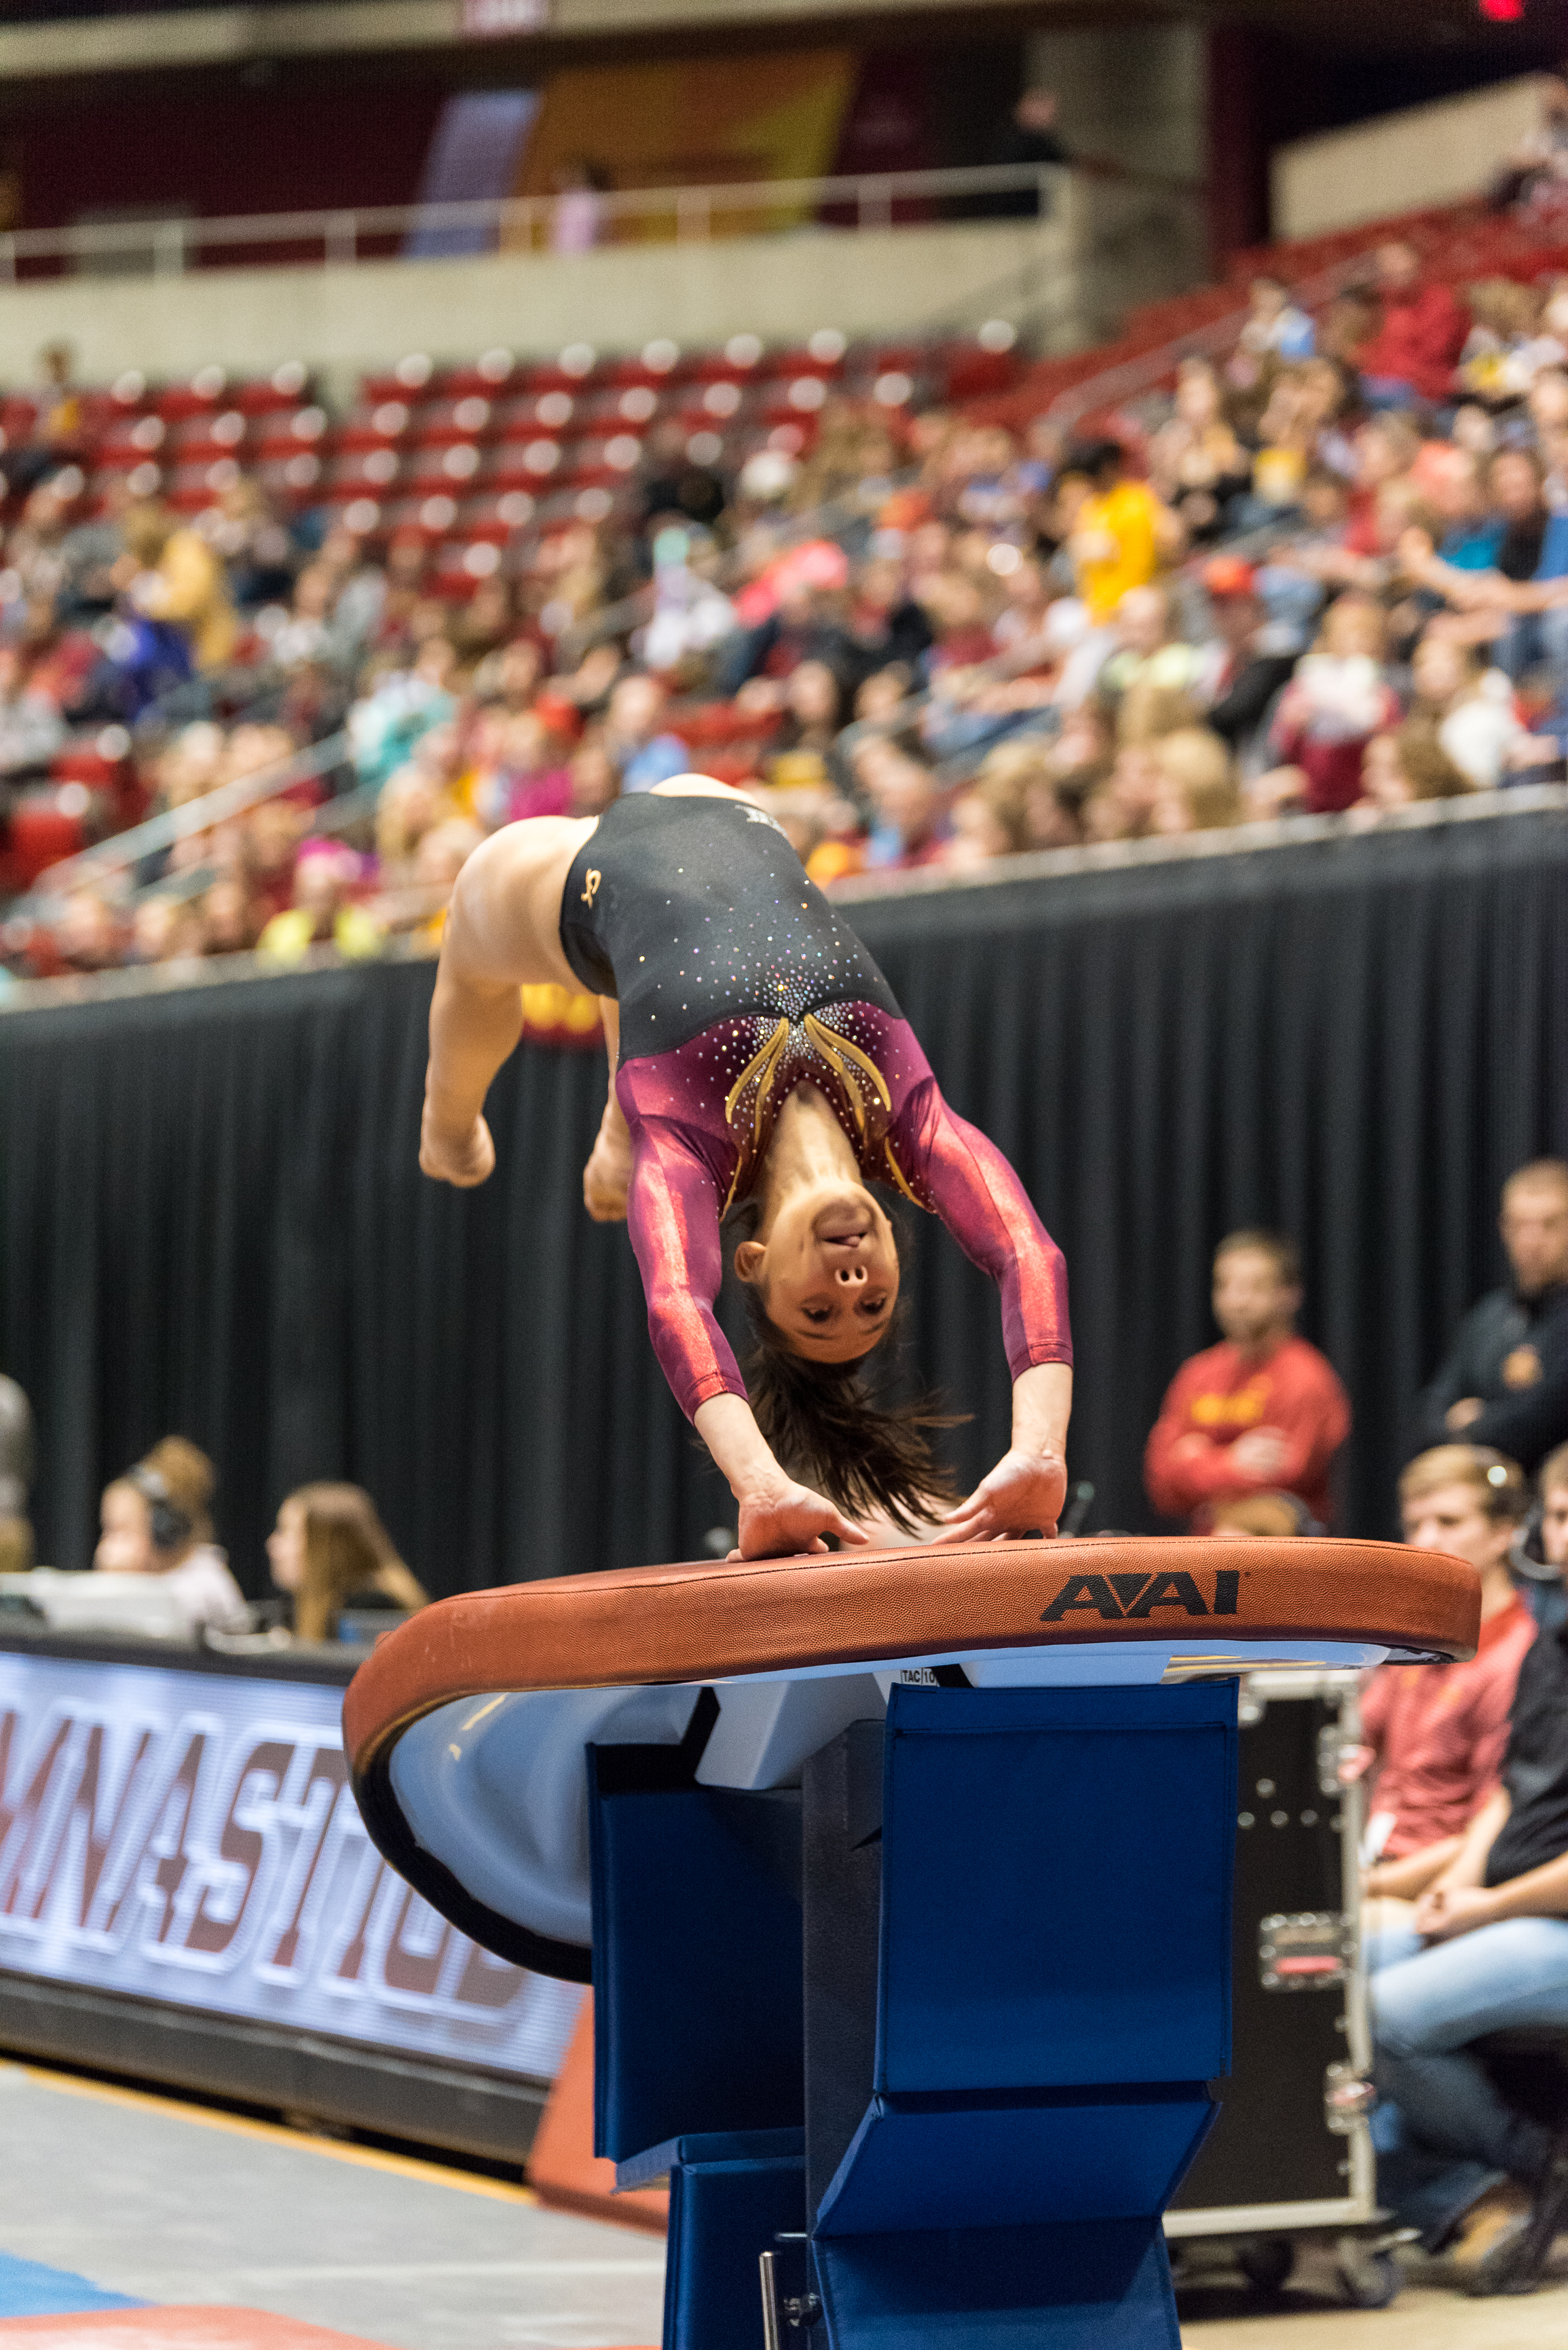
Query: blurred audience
x=1326, y=572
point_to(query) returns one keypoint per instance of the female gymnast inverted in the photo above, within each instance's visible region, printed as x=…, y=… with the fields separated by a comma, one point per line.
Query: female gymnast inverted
x=759, y=1065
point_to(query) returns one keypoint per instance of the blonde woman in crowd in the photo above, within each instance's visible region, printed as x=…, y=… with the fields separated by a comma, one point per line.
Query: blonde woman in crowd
x=1405, y=764
x=1197, y=789
x=328, y=1550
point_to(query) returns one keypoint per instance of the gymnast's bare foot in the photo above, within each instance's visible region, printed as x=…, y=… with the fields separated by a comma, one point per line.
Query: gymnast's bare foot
x=465, y=1160
x=606, y=1182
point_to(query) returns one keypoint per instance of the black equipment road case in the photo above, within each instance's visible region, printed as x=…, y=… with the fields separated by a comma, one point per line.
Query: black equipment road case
x=1290, y=2153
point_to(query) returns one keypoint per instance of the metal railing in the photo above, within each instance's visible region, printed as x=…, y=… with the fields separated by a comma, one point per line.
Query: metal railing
x=866, y=201
x=123, y=850
x=1147, y=370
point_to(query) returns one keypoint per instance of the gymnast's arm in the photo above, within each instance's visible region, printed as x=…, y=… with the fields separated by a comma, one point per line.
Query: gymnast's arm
x=674, y=1220
x=964, y=1177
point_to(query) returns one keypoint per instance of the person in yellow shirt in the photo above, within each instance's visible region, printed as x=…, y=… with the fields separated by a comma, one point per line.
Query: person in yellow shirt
x=171, y=573
x=1123, y=535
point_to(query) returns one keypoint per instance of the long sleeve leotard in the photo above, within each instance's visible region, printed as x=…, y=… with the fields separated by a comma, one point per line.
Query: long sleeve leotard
x=737, y=983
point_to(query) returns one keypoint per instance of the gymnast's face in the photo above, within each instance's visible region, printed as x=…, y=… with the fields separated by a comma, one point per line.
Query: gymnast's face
x=827, y=1265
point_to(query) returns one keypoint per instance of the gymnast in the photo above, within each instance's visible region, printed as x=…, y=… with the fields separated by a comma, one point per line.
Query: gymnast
x=760, y=1068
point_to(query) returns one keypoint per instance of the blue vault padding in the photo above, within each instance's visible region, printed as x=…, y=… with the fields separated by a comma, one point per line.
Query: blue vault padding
x=1052, y=1998
x=732, y=2194
x=1050, y=1988
x=697, y=1959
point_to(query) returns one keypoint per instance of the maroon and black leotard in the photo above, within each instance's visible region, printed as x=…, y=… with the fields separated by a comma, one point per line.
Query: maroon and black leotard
x=737, y=982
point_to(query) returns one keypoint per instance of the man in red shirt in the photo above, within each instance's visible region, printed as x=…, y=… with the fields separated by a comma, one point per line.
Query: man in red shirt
x=1261, y=1413
x=1413, y=355
x=1439, y=1731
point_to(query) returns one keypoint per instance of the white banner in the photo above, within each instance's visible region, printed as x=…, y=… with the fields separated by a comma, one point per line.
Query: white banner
x=191, y=1837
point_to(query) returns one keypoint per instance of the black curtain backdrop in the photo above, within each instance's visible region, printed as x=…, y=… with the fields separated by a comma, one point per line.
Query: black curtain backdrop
x=213, y=1222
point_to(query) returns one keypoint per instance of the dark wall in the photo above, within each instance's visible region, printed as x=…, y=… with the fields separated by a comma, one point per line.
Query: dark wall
x=212, y=1220
x=212, y=148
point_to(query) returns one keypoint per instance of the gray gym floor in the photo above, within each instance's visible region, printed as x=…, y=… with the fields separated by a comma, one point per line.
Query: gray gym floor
x=174, y=2203
x=170, y=2203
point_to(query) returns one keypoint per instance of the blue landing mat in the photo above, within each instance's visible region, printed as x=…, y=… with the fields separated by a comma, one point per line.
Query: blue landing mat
x=28, y=2288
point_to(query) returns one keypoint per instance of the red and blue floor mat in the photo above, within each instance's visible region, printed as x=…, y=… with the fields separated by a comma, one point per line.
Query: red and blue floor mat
x=60, y=2310
x=52, y=2307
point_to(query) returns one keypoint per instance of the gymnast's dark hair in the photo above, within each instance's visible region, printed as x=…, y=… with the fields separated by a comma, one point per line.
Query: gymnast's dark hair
x=824, y=1427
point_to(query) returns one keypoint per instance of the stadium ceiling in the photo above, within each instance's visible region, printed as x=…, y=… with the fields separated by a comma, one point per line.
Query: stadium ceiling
x=96, y=44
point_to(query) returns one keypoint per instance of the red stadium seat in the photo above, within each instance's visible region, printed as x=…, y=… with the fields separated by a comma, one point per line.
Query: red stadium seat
x=207, y=390
x=362, y=473
x=438, y=421
x=286, y=430
x=288, y=387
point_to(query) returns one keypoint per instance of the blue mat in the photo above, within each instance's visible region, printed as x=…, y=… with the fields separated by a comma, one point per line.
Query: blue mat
x=28, y=2288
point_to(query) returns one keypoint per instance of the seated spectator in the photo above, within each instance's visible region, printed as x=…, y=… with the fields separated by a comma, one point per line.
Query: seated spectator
x=86, y=934
x=1196, y=464
x=1253, y=658
x=399, y=706
x=691, y=613
x=31, y=727
x=328, y=1552
x=1122, y=535
x=170, y=574
x=1504, y=1382
x=1411, y=357
x=164, y=929
x=990, y=819
x=886, y=626
x=1535, y=172
x=531, y=777
x=1275, y=328
x=1549, y=1600
x=1487, y=1948
x=228, y=914
x=804, y=751
x=1018, y=782
x=1437, y=1732
x=1471, y=709
x=1121, y=805
x=1405, y=764
x=909, y=829
x=1197, y=791
x=324, y=911
x=594, y=774
x=1263, y=1411
x=1340, y=697
x=157, y=1520
x=56, y=438
x=1151, y=679
x=644, y=750
x=1505, y=348
x=16, y=1478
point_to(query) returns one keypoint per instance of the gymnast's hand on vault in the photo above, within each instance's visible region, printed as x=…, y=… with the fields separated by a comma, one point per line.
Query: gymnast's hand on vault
x=465, y=1160
x=782, y=1520
x=1023, y=1495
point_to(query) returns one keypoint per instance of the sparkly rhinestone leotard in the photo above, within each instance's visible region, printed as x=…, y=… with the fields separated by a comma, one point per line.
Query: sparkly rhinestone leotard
x=737, y=982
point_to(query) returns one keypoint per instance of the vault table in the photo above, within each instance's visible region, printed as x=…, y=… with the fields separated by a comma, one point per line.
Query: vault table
x=904, y=1882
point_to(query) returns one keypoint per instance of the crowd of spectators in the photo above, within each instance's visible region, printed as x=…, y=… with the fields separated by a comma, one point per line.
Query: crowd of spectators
x=1327, y=573
x=1465, y=1854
